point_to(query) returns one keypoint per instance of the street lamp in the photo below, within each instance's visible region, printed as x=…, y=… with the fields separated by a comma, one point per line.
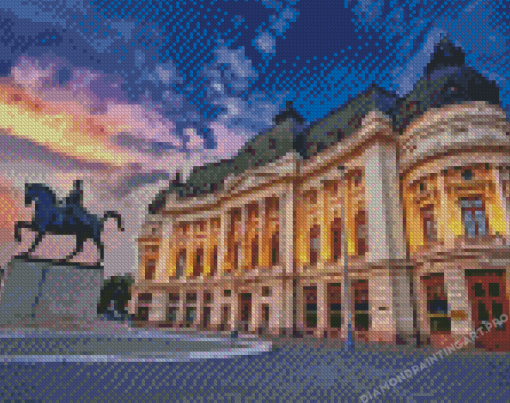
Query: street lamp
x=350, y=342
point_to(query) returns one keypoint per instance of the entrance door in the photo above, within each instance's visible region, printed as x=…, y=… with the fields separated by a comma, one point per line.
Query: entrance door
x=310, y=308
x=361, y=306
x=335, y=308
x=245, y=310
x=265, y=317
x=206, y=317
x=489, y=300
x=225, y=318
x=172, y=315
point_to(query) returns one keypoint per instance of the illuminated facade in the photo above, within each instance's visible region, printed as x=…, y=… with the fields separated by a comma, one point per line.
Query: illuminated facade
x=255, y=243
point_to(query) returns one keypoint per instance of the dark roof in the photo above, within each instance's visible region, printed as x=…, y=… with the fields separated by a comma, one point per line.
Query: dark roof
x=446, y=80
x=342, y=122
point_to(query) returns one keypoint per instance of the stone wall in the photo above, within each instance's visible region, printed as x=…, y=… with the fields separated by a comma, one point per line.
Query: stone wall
x=46, y=294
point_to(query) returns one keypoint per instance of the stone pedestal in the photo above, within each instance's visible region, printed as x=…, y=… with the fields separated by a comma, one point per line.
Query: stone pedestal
x=39, y=293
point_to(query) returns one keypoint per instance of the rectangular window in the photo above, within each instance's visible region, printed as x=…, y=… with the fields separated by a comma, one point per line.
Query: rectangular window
x=191, y=297
x=473, y=217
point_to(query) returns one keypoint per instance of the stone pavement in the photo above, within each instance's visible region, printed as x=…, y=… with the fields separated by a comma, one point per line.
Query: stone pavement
x=301, y=371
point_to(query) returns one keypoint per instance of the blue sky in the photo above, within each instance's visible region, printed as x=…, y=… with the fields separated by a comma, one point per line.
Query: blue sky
x=317, y=53
x=193, y=80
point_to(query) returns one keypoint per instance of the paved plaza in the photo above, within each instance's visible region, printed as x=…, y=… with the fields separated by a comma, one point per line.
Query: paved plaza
x=294, y=371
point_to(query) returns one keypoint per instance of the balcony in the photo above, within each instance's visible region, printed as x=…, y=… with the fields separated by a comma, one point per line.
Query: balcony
x=496, y=246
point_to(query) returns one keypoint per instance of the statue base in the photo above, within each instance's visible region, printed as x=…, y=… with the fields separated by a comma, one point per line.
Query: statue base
x=49, y=295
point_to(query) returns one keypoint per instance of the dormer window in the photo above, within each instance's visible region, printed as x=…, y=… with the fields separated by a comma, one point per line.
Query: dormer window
x=467, y=175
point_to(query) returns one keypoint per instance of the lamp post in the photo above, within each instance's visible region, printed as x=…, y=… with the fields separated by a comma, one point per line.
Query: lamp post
x=345, y=252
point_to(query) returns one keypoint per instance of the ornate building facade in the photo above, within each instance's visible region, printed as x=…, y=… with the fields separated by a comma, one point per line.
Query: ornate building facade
x=412, y=194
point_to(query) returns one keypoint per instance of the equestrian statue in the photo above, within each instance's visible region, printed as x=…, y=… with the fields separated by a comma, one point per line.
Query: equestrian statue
x=63, y=218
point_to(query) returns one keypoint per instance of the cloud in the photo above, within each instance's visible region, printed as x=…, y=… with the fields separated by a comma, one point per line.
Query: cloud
x=281, y=23
x=266, y=43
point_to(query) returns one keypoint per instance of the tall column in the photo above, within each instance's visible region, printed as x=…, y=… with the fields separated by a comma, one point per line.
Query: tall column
x=500, y=215
x=300, y=324
x=322, y=320
x=132, y=303
x=286, y=225
x=234, y=323
x=325, y=225
x=190, y=249
x=457, y=294
x=208, y=253
x=164, y=251
x=385, y=222
x=223, y=242
x=447, y=233
x=347, y=306
x=277, y=317
x=256, y=317
x=303, y=231
x=216, y=308
x=262, y=233
x=158, y=308
x=242, y=262
x=181, y=310
x=199, y=305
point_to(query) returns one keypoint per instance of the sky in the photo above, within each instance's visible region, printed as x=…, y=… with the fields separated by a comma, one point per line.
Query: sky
x=122, y=94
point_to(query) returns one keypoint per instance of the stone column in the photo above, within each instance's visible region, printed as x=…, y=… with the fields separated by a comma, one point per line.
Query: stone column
x=234, y=323
x=223, y=242
x=447, y=233
x=181, y=314
x=208, y=252
x=322, y=320
x=286, y=224
x=216, y=308
x=256, y=317
x=501, y=220
x=300, y=323
x=421, y=306
x=276, y=318
x=458, y=300
x=325, y=225
x=243, y=253
x=159, y=306
x=199, y=305
x=288, y=306
x=381, y=295
x=190, y=250
x=385, y=221
x=263, y=242
x=132, y=303
x=347, y=307
x=141, y=262
x=164, y=251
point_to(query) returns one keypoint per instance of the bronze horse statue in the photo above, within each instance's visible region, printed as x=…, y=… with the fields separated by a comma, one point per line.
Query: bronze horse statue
x=53, y=217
